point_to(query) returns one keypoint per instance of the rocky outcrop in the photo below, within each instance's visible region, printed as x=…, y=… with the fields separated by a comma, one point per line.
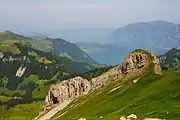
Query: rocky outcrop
x=103, y=79
x=133, y=62
x=157, y=67
x=66, y=90
x=138, y=60
x=75, y=87
x=134, y=117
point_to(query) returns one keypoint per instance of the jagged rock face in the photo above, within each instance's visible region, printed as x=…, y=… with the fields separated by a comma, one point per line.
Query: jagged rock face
x=133, y=62
x=138, y=60
x=102, y=80
x=157, y=67
x=66, y=90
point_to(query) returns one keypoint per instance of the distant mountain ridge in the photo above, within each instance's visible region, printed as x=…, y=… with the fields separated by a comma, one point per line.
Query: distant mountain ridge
x=8, y=35
x=70, y=50
x=157, y=36
x=58, y=46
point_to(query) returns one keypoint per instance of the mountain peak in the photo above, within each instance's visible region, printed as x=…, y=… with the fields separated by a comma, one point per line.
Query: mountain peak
x=161, y=22
x=7, y=32
x=8, y=35
x=140, y=59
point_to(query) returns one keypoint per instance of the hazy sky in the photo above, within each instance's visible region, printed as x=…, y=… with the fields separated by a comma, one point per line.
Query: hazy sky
x=69, y=14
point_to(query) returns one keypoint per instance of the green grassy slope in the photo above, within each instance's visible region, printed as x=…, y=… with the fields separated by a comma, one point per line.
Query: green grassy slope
x=152, y=96
x=43, y=45
x=42, y=69
x=23, y=111
x=57, y=46
x=4, y=98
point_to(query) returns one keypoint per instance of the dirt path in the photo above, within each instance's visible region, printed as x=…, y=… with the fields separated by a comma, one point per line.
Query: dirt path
x=52, y=112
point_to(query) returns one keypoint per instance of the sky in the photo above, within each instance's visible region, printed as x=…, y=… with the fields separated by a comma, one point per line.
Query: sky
x=72, y=14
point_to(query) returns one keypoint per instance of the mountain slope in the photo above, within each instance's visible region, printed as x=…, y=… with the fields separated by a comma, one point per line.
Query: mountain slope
x=137, y=86
x=24, y=68
x=171, y=59
x=153, y=96
x=142, y=93
x=134, y=87
x=70, y=50
x=158, y=36
x=58, y=46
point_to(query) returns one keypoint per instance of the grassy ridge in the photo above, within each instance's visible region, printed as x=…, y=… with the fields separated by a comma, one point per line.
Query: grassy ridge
x=152, y=96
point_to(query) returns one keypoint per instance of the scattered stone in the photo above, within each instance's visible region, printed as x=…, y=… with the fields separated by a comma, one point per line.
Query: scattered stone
x=153, y=119
x=135, y=81
x=123, y=118
x=82, y=119
x=132, y=116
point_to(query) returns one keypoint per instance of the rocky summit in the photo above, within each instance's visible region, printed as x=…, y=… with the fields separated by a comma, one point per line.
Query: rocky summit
x=135, y=64
x=139, y=59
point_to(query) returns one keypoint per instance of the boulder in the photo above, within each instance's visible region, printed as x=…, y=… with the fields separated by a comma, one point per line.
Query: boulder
x=82, y=119
x=132, y=116
x=123, y=118
x=66, y=90
x=153, y=119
